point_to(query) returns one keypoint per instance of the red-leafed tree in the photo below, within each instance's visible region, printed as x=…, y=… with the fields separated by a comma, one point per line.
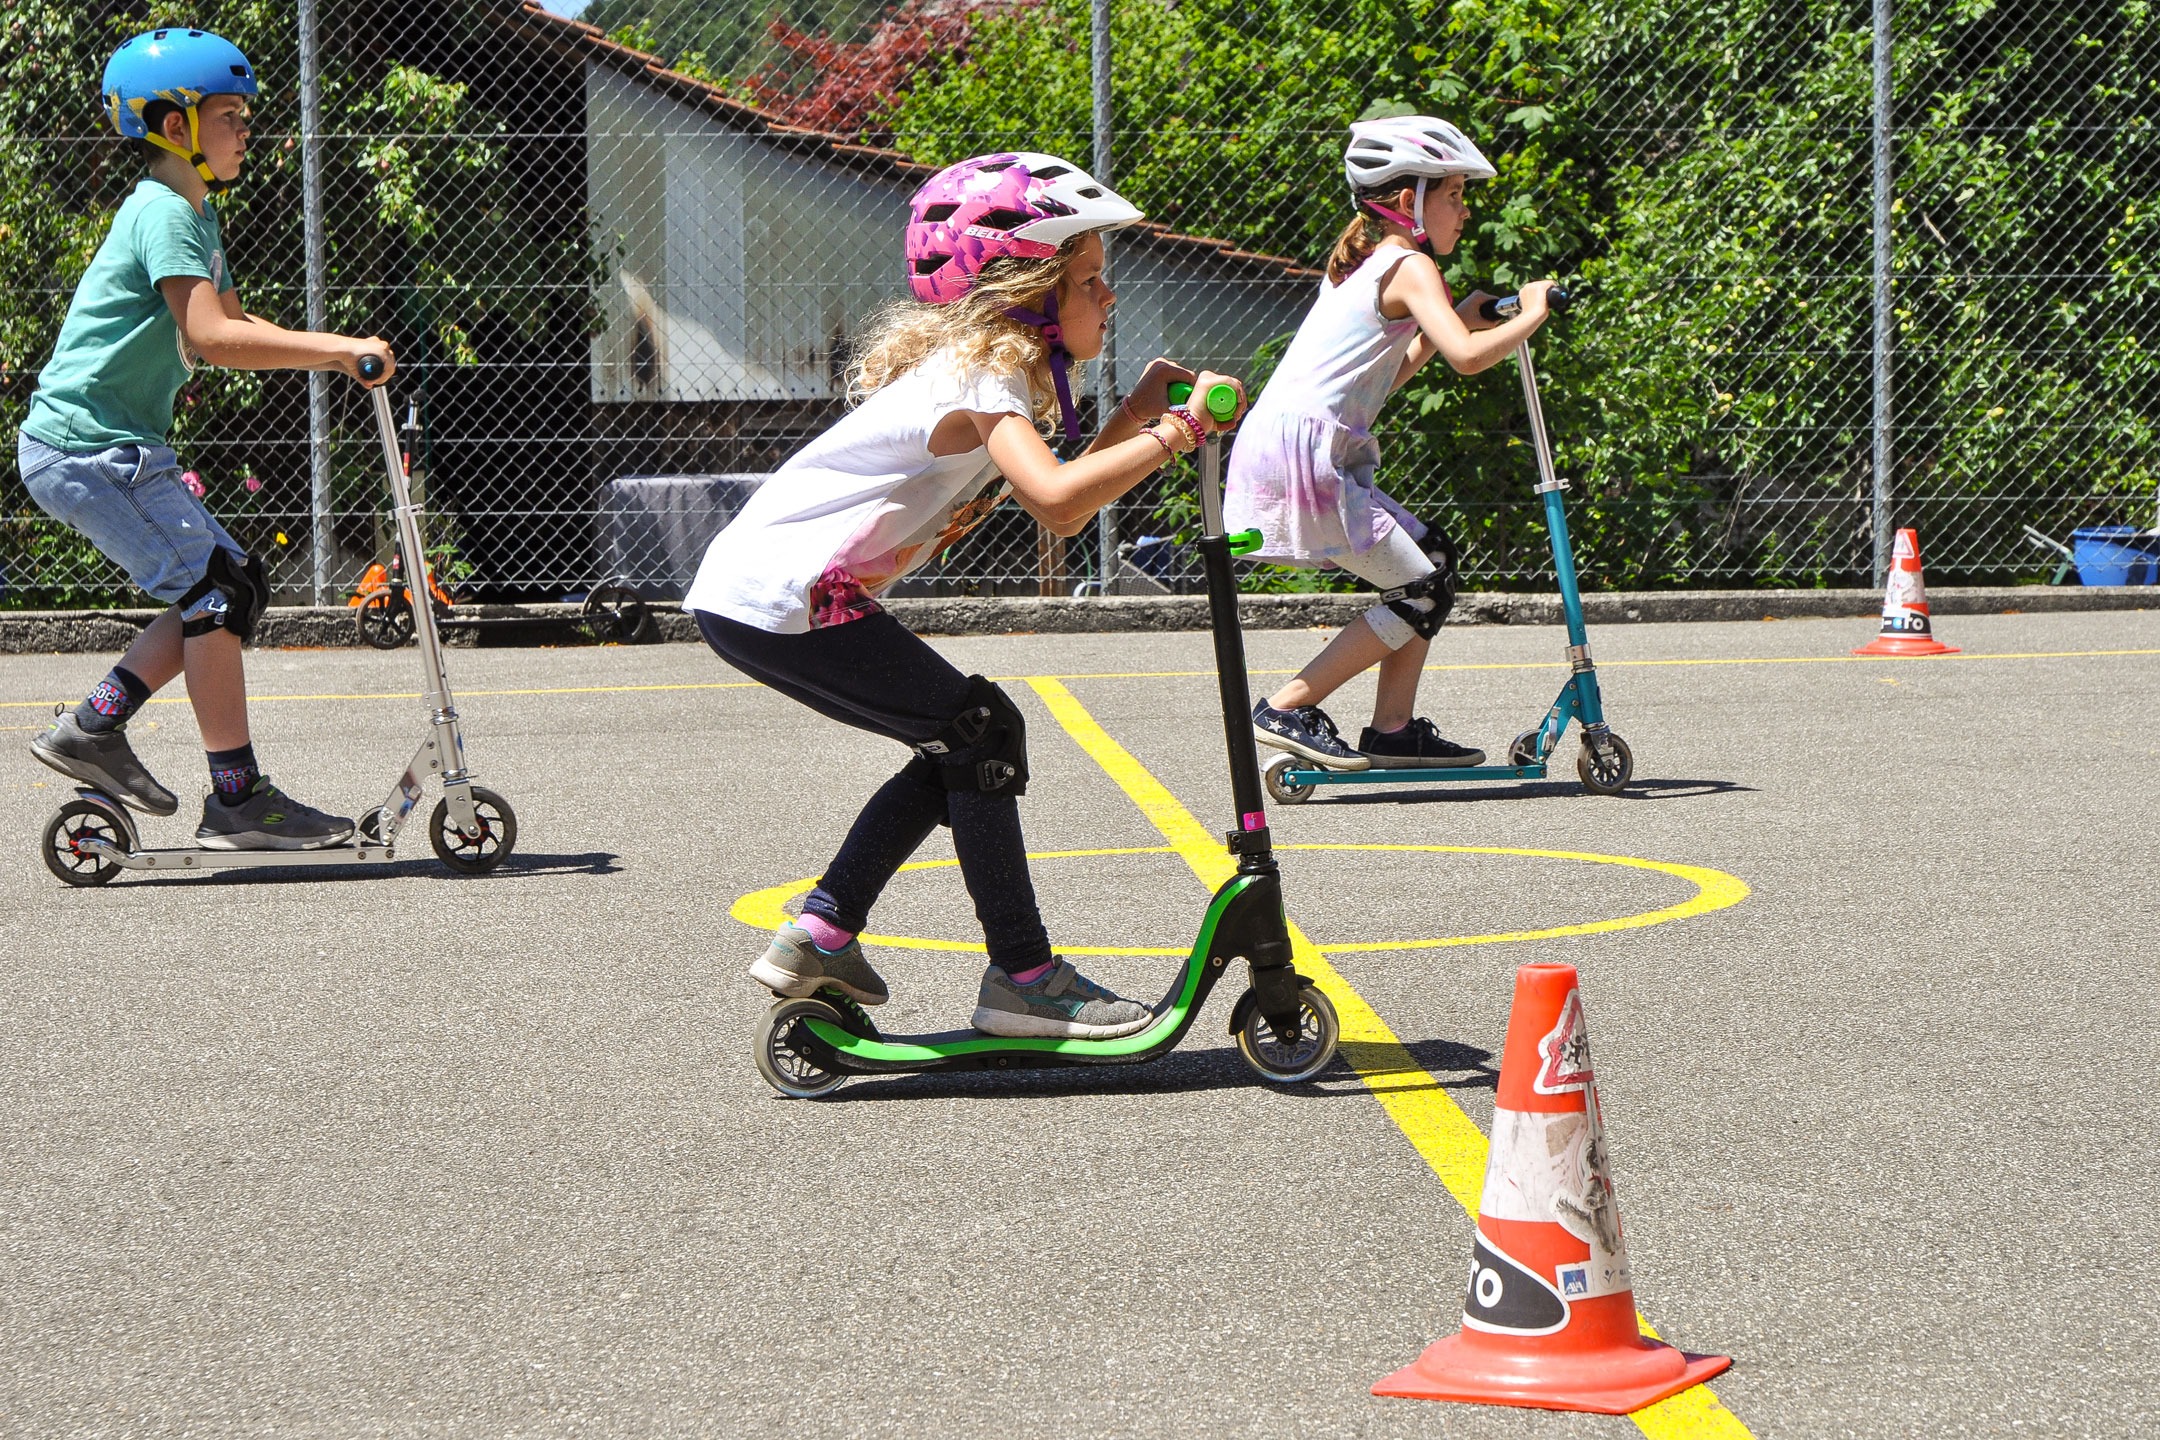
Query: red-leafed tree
x=846, y=86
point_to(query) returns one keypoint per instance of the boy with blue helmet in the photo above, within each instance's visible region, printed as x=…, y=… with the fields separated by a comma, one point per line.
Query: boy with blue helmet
x=157, y=300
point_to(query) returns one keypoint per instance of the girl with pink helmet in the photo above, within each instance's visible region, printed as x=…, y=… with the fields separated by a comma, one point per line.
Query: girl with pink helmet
x=1302, y=472
x=1005, y=265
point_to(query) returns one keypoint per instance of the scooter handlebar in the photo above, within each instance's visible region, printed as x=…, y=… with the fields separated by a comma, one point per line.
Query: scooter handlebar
x=1221, y=399
x=1507, y=307
x=372, y=368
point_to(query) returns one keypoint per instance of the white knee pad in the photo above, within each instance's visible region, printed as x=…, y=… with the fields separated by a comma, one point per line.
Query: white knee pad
x=1393, y=630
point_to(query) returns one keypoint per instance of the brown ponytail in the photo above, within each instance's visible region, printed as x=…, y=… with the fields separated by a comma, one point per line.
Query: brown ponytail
x=1353, y=247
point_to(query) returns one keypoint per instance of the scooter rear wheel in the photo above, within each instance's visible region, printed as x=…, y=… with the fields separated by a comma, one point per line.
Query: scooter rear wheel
x=1300, y=1059
x=1279, y=784
x=1605, y=774
x=478, y=853
x=73, y=823
x=781, y=1056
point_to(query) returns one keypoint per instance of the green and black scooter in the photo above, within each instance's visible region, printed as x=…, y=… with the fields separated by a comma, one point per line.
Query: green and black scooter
x=1285, y=1027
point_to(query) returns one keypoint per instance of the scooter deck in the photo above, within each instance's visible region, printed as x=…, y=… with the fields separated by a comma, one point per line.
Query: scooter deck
x=197, y=859
x=1212, y=950
x=1376, y=776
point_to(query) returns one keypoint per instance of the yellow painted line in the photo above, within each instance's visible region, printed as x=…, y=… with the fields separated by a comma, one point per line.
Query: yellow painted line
x=1714, y=890
x=1448, y=1139
x=1966, y=657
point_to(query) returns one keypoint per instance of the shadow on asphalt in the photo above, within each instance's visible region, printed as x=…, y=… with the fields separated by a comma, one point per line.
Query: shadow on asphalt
x=519, y=865
x=1434, y=790
x=1453, y=1066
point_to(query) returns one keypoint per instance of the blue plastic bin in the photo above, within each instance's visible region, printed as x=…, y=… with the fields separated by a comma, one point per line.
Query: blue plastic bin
x=2116, y=555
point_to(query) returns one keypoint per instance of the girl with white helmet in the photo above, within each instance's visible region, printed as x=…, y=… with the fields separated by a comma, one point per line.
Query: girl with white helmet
x=1005, y=264
x=1302, y=471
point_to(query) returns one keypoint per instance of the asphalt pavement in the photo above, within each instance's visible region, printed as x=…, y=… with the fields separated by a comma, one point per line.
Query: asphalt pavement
x=393, y=1151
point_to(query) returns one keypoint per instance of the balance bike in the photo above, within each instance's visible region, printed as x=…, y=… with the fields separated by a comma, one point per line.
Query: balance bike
x=1604, y=764
x=1286, y=1030
x=94, y=837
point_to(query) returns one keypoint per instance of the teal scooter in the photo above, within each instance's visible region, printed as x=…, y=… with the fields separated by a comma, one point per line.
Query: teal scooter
x=1604, y=764
x=1284, y=1027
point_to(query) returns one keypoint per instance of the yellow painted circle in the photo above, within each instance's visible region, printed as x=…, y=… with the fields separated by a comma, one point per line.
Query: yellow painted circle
x=1714, y=890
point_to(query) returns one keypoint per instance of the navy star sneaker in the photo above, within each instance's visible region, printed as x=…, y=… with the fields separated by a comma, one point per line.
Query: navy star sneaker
x=1307, y=733
x=1061, y=1002
x=1417, y=746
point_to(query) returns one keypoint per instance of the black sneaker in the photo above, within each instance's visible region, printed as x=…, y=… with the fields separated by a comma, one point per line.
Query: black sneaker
x=1417, y=746
x=103, y=762
x=268, y=819
x=1307, y=733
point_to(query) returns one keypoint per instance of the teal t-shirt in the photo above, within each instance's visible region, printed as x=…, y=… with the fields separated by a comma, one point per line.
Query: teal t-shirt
x=120, y=359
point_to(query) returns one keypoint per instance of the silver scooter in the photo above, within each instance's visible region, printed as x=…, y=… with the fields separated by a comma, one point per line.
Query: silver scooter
x=93, y=837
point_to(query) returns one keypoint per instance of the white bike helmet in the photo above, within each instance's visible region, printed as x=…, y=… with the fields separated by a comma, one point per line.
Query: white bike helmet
x=1408, y=147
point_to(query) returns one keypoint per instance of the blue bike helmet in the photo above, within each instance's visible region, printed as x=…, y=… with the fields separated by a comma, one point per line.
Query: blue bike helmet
x=180, y=67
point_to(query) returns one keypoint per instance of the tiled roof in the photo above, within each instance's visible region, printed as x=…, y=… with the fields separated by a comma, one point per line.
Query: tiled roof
x=574, y=39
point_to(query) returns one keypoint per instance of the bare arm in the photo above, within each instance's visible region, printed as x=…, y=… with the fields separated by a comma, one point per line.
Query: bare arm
x=1413, y=288
x=216, y=328
x=1422, y=348
x=1064, y=497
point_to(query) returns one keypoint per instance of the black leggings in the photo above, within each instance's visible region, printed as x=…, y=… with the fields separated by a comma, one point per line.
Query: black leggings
x=877, y=675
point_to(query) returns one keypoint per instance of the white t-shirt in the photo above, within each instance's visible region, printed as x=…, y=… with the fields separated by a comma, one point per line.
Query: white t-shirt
x=858, y=507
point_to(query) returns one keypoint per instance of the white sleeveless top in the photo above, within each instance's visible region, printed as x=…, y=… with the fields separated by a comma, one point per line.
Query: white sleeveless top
x=1302, y=467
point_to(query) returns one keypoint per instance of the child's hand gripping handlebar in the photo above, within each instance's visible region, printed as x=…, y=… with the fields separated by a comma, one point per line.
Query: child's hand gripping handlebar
x=1222, y=400
x=372, y=368
x=1507, y=307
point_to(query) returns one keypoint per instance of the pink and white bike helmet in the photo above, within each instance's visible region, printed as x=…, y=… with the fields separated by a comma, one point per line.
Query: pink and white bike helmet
x=1408, y=147
x=1021, y=204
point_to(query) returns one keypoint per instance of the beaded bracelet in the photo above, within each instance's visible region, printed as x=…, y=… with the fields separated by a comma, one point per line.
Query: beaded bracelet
x=1185, y=422
x=1124, y=408
x=1156, y=436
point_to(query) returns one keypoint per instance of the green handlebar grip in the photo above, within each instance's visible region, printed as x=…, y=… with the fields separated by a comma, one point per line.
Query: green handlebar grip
x=1245, y=542
x=1221, y=399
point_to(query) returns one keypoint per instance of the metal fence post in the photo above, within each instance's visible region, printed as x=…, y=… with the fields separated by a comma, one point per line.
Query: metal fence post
x=311, y=192
x=1106, y=369
x=1884, y=331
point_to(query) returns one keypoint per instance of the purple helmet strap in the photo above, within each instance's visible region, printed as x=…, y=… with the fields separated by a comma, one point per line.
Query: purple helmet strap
x=1060, y=358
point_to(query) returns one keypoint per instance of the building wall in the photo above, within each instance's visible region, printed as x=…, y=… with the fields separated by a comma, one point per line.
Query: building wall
x=741, y=270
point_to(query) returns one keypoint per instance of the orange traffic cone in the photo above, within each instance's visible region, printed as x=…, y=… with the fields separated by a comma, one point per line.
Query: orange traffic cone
x=1905, y=629
x=1549, y=1318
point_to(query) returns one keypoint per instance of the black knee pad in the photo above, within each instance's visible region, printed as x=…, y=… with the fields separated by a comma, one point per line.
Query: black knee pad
x=232, y=595
x=985, y=746
x=1422, y=604
x=1440, y=550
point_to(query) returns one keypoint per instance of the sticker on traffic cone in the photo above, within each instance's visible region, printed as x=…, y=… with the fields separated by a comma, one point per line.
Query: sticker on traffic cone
x=1905, y=628
x=1549, y=1316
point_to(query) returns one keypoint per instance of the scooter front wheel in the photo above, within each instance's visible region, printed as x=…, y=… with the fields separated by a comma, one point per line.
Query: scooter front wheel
x=1605, y=772
x=384, y=620
x=783, y=1059
x=494, y=837
x=74, y=823
x=1279, y=784
x=1288, y=1062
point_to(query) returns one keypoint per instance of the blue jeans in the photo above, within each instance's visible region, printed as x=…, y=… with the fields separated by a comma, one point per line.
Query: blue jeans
x=129, y=502
x=875, y=674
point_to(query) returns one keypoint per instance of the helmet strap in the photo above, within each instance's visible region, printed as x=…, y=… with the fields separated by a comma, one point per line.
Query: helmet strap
x=1414, y=222
x=193, y=154
x=1060, y=358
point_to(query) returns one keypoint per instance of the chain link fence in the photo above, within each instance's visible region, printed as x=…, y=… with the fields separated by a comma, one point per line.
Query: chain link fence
x=622, y=263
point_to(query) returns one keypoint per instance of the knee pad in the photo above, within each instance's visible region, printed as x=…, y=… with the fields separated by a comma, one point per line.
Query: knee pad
x=985, y=746
x=232, y=594
x=1416, y=609
x=1440, y=550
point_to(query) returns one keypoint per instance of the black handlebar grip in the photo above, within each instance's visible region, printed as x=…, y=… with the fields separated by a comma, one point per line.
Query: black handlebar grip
x=1507, y=307
x=372, y=367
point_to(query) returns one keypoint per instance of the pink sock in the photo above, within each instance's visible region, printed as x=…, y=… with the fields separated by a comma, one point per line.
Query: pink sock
x=1029, y=977
x=823, y=933
x=1396, y=731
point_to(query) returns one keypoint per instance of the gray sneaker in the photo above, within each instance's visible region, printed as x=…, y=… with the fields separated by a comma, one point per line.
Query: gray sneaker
x=794, y=966
x=104, y=762
x=268, y=819
x=1062, y=1003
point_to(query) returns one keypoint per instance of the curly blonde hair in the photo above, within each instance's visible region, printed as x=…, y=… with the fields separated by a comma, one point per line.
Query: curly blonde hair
x=974, y=330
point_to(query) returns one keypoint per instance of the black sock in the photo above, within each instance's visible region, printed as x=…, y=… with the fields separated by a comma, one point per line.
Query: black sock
x=233, y=773
x=119, y=695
